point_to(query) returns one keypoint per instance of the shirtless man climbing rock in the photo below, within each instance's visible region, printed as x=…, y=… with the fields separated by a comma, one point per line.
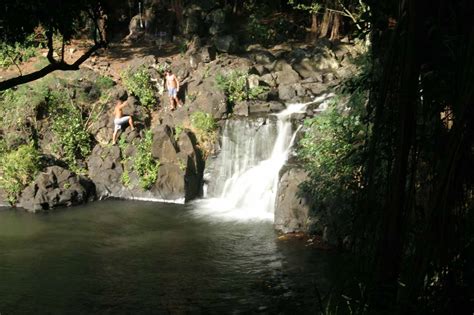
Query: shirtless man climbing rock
x=172, y=84
x=119, y=119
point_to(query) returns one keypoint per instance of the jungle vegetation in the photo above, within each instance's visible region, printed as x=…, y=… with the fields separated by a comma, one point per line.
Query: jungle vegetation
x=398, y=158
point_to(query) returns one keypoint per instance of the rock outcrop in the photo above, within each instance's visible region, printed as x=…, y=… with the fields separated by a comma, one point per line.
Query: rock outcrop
x=56, y=187
x=292, y=208
x=285, y=73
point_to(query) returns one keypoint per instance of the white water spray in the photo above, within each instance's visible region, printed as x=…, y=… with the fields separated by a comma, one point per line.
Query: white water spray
x=244, y=182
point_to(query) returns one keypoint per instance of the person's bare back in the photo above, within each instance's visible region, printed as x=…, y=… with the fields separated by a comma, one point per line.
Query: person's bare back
x=119, y=119
x=118, y=110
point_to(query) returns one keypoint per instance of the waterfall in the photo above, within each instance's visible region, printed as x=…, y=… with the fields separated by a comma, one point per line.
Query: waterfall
x=243, y=179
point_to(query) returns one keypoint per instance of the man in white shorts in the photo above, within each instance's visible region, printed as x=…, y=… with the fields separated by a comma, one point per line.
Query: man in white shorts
x=172, y=84
x=119, y=119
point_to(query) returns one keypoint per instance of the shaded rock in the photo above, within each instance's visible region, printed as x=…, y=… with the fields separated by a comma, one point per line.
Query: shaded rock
x=262, y=57
x=259, y=107
x=208, y=54
x=226, y=43
x=269, y=79
x=193, y=20
x=292, y=209
x=241, y=108
x=170, y=183
x=3, y=199
x=164, y=146
x=105, y=169
x=287, y=75
x=54, y=188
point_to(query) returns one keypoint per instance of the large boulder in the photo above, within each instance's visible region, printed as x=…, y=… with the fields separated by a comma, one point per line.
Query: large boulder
x=192, y=20
x=56, y=187
x=207, y=97
x=292, y=209
x=105, y=170
x=226, y=43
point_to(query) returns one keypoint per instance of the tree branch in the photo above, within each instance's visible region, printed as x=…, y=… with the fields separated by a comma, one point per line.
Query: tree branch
x=9, y=83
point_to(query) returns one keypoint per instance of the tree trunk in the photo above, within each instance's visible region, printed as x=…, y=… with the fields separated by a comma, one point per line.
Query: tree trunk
x=336, y=25
x=327, y=17
x=390, y=247
x=313, y=33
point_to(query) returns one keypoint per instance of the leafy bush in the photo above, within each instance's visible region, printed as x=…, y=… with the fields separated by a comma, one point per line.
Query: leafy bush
x=330, y=151
x=17, y=169
x=178, y=129
x=258, y=32
x=17, y=53
x=68, y=125
x=19, y=108
x=234, y=85
x=139, y=84
x=256, y=91
x=144, y=163
x=104, y=83
x=205, y=128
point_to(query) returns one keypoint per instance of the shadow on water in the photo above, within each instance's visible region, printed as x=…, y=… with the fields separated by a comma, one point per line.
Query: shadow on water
x=140, y=257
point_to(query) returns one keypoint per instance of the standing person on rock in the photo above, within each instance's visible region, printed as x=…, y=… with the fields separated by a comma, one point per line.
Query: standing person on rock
x=172, y=84
x=119, y=119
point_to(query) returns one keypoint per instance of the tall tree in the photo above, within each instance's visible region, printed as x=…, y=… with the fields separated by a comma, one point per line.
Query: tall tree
x=422, y=139
x=54, y=17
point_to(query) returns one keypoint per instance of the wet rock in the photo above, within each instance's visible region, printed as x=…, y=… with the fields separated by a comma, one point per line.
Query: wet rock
x=56, y=187
x=105, y=170
x=3, y=199
x=170, y=182
x=164, y=147
x=292, y=207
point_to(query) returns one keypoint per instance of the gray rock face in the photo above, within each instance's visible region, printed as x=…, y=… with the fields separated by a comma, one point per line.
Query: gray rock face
x=105, y=170
x=286, y=92
x=179, y=175
x=54, y=188
x=192, y=20
x=291, y=210
x=208, y=97
x=226, y=43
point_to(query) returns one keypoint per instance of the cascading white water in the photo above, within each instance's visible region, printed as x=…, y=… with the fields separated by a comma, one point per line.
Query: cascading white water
x=244, y=180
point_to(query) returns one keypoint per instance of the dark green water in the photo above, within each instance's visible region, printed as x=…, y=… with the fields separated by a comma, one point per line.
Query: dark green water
x=123, y=257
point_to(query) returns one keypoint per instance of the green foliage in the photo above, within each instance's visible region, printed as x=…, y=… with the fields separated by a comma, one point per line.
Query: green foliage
x=18, y=52
x=104, y=82
x=144, y=163
x=254, y=92
x=178, y=130
x=234, y=85
x=73, y=142
x=258, y=32
x=17, y=169
x=203, y=122
x=125, y=178
x=205, y=128
x=331, y=150
x=19, y=107
x=313, y=7
x=139, y=84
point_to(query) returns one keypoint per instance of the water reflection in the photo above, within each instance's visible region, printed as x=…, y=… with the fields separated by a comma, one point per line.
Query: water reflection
x=138, y=257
